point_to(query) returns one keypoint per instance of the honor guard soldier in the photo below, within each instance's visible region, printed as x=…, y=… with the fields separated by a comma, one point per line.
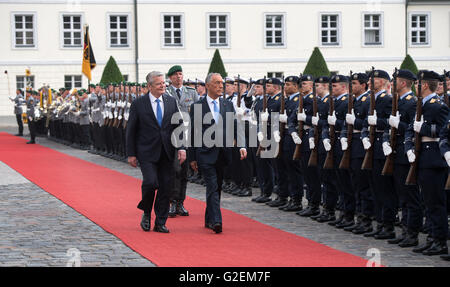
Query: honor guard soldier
x=185, y=97
x=444, y=147
x=409, y=195
x=432, y=169
x=31, y=108
x=201, y=90
x=18, y=102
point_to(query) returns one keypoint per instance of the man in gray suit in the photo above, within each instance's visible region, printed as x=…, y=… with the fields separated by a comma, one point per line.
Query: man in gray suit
x=185, y=97
x=18, y=102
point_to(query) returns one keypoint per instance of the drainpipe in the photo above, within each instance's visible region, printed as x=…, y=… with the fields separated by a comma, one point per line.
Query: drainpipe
x=136, y=45
x=406, y=27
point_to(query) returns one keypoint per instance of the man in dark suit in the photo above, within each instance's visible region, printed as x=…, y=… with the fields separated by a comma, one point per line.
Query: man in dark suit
x=148, y=139
x=213, y=116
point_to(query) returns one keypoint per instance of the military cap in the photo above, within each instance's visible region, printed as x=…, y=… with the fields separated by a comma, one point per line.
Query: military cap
x=339, y=79
x=144, y=85
x=229, y=80
x=274, y=81
x=91, y=85
x=200, y=82
x=322, y=79
x=361, y=77
x=174, y=69
x=259, y=82
x=381, y=74
x=447, y=74
x=292, y=79
x=307, y=78
x=428, y=75
x=442, y=78
x=406, y=74
x=242, y=80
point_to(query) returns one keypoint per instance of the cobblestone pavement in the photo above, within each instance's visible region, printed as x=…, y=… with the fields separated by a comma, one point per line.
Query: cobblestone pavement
x=61, y=222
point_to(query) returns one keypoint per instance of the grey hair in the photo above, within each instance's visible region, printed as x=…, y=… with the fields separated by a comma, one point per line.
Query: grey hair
x=209, y=77
x=152, y=75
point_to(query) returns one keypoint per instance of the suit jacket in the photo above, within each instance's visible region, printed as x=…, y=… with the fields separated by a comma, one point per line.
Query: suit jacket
x=209, y=155
x=145, y=139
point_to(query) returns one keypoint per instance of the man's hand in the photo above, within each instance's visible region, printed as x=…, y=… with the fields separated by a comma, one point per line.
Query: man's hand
x=276, y=136
x=411, y=156
x=132, y=160
x=332, y=119
x=243, y=153
x=344, y=143
x=315, y=120
x=181, y=156
x=265, y=117
x=394, y=121
x=312, y=145
x=296, y=138
x=418, y=125
x=350, y=118
x=301, y=117
x=447, y=157
x=327, y=144
x=372, y=120
x=366, y=143
x=283, y=118
x=194, y=165
x=387, y=150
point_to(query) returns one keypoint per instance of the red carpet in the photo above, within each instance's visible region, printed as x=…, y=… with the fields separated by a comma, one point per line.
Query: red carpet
x=109, y=199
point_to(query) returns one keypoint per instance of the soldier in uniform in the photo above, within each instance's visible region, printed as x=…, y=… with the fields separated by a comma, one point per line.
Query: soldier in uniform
x=18, y=102
x=201, y=90
x=432, y=168
x=85, y=139
x=31, y=107
x=185, y=97
x=444, y=147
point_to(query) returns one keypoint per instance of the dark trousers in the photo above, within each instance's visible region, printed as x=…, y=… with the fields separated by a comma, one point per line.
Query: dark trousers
x=265, y=175
x=385, y=198
x=312, y=180
x=361, y=187
x=32, y=127
x=213, y=176
x=180, y=180
x=294, y=176
x=329, y=180
x=19, y=123
x=156, y=176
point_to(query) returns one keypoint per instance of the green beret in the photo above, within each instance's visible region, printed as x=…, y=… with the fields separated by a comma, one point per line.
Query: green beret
x=91, y=85
x=174, y=69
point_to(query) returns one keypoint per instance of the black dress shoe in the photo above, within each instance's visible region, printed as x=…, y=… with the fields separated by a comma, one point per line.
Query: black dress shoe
x=423, y=247
x=31, y=142
x=161, y=228
x=309, y=211
x=256, y=198
x=288, y=203
x=336, y=221
x=263, y=199
x=217, y=227
x=145, y=222
x=439, y=247
x=209, y=226
x=295, y=206
x=345, y=223
x=388, y=232
x=277, y=203
x=445, y=257
x=327, y=216
x=410, y=240
x=181, y=210
x=375, y=231
x=351, y=227
x=247, y=191
x=173, y=209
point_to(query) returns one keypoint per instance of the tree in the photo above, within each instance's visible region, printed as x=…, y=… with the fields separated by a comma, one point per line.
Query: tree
x=316, y=65
x=408, y=63
x=216, y=65
x=111, y=73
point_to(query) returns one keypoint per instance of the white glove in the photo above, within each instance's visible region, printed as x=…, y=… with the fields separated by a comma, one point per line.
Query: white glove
x=332, y=119
x=394, y=121
x=265, y=117
x=387, y=150
x=276, y=136
x=301, y=117
x=30, y=118
x=411, y=156
x=115, y=114
x=297, y=139
x=77, y=114
x=350, y=118
x=283, y=118
x=344, y=144
x=311, y=144
x=447, y=157
x=372, y=119
x=366, y=143
x=120, y=117
x=126, y=116
x=327, y=144
x=315, y=120
x=128, y=104
x=240, y=111
x=418, y=125
x=260, y=136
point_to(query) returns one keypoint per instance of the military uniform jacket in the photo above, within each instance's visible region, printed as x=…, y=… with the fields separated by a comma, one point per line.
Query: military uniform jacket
x=383, y=107
x=188, y=97
x=444, y=137
x=31, y=105
x=340, y=109
x=84, y=112
x=407, y=109
x=323, y=108
x=435, y=114
x=18, y=102
x=291, y=108
x=293, y=122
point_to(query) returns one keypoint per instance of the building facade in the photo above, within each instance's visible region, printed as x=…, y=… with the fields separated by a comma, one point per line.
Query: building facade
x=255, y=37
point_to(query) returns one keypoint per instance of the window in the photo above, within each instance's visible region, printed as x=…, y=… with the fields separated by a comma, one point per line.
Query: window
x=24, y=31
x=274, y=30
x=418, y=29
x=278, y=75
x=118, y=31
x=172, y=31
x=329, y=29
x=218, y=30
x=72, y=81
x=125, y=78
x=23, y=81
x=373, y=30
x=72, y=30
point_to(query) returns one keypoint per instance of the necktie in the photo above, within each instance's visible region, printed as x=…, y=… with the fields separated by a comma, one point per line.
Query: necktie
x=216, y=112
x=179, y=94
x=158, y=112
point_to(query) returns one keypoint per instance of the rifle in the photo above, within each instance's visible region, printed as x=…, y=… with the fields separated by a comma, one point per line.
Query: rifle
x=313, y=157
x=346, y=157
x=298, y=148
x=446, y=100
x=238, y=103
x=260, y=148
x=411, y=179
x=329, y=160
x=125, y=121
x=368, y=158
x=282, y=125
x=388, y=168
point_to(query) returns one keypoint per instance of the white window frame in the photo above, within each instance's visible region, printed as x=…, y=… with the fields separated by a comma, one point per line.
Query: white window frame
x=62, y=30
x=274, y=75
x=380, y=28
x=24, y=82
x=72, y=81
x=283, y=30
x=227, y=30
x=338, y=29
x=427, y=31
x=108, y=29
x=13, y=30
x=182, y=28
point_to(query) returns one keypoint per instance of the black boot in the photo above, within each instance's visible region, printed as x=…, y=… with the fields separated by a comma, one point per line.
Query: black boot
x=399, y=239
x=388, y=232
x=328, y=215
x=173, y=209
x=411, y=240
x=374, y=232
x=439, y=247
x=425, y=246
x=309, y=211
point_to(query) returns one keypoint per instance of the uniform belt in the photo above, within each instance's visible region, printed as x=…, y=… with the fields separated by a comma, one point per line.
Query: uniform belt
x=379, y=131
x=305, y=127
x=356, y=131
x=428, y=139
